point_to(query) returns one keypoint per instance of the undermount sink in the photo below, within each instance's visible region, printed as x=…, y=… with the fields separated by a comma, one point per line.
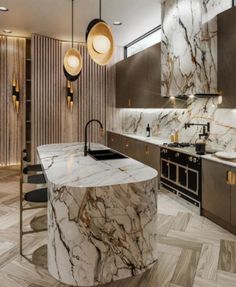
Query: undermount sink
x=105, y=154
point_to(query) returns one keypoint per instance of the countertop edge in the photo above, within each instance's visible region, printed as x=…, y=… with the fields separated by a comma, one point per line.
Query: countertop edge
x=144, y=139
x=55, y=184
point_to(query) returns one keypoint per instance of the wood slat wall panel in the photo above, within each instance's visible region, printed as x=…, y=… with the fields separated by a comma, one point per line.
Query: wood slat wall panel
x=46, y=94
x=52, y=121
x=12, y=128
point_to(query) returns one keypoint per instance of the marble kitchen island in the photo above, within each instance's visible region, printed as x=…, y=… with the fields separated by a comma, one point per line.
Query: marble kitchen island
x=102, y=216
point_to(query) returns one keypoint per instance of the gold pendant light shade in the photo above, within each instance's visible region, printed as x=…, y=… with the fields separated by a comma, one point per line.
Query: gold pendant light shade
x=73, y=64
x=100, y=42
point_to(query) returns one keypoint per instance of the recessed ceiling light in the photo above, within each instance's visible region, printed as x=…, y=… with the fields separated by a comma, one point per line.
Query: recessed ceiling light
x=7, y=31
x=117, y=23
x=3, y=9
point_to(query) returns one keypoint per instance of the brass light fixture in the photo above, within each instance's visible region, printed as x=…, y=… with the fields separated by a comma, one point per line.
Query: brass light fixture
x=100, y=40
x=72, y=59
x=70, y=93
x=15, y=93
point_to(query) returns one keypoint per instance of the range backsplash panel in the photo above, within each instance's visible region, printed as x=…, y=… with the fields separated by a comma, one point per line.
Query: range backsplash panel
x=164, y=122
x=189, y=49
x=211, y=8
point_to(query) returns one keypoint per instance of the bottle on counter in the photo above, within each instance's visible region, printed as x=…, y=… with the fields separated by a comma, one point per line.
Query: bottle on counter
x=172, y=137
x=176, y=136
x=148, y=131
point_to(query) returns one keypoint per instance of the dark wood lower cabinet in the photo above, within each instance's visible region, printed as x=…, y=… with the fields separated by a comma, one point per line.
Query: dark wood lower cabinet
x=233, y=202
x=114, y=141
x=218, y=194
x=146, y=153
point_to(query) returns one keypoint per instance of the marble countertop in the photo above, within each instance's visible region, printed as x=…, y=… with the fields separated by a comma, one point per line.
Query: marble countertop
x=159, y=142
x=65, y=165
x=216, y=159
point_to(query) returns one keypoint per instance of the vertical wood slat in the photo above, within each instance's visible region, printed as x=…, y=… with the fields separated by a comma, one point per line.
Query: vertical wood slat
x=46, y=101
x=52, y=121
x=12, y=129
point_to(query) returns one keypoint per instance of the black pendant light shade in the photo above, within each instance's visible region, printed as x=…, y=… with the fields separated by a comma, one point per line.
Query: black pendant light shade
x=72, y=64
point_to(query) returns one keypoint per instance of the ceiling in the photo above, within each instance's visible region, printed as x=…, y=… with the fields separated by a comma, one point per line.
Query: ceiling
x=53, y=17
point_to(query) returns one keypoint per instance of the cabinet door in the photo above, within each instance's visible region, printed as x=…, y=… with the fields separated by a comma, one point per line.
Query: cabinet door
x=114, y=141
x=123, y=85
x=233, y=200
x=215, y=190
x=227, y=57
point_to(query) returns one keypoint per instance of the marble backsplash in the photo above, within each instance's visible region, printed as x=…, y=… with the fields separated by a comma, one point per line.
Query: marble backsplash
x=164, y=122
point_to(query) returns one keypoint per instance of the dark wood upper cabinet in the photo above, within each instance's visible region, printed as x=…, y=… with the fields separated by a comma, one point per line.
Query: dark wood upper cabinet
x=227, y=57
x=138, y=81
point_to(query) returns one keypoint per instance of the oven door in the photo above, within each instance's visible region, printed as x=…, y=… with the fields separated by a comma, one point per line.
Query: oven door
x=181, y=178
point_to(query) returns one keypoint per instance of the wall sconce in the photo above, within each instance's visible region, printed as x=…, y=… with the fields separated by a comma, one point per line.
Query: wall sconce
x=15, y=93
x=70, y=94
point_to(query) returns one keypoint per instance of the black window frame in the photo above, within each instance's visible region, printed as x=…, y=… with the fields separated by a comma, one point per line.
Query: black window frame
x=157, y=28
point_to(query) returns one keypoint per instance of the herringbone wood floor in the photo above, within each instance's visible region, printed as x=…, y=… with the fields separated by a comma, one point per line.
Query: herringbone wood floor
x=192, y=250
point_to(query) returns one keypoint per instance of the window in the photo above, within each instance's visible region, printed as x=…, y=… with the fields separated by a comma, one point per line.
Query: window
x=147, y=40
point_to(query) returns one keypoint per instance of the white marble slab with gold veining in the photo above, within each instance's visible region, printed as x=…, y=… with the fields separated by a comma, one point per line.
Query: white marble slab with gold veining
x=102, y=216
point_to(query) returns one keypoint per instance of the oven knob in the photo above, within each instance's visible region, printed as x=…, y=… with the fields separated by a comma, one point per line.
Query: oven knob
x=194, y=160
x=190, y=158
x=177, y=154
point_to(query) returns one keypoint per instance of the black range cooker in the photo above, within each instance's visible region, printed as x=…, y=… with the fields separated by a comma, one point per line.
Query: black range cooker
x=181, y=171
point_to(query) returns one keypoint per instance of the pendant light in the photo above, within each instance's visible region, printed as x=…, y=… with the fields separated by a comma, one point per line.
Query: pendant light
x=100, y=40
x=72, y=59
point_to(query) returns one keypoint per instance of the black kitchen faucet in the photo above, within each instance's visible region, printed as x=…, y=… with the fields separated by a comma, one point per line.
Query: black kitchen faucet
x=206, y=129
x=86, y=134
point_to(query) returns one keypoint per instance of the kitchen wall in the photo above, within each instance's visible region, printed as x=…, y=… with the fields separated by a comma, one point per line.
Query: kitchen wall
x=189, y=55
x=164, y=122
x=182, y=76
x=94, y=94
x=51, y=120
x=12, y=132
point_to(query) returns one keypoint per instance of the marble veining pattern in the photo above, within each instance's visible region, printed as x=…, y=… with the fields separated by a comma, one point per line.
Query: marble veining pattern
x=199, y=234
x=99, y=231
x=188, y=58
x=65, y=165
x=165, y=122
x=211, y=8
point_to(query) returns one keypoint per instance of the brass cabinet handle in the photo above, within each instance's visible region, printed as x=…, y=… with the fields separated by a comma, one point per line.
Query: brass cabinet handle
x=112, y=140
x=129, y=102
x=230, y=177
x=146, y=149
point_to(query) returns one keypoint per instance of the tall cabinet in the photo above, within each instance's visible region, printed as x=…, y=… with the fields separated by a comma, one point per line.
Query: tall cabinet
x=227, y=57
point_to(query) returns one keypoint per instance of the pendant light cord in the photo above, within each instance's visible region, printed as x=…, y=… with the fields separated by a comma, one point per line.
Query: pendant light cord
x=72, y=26
x=100, y=9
